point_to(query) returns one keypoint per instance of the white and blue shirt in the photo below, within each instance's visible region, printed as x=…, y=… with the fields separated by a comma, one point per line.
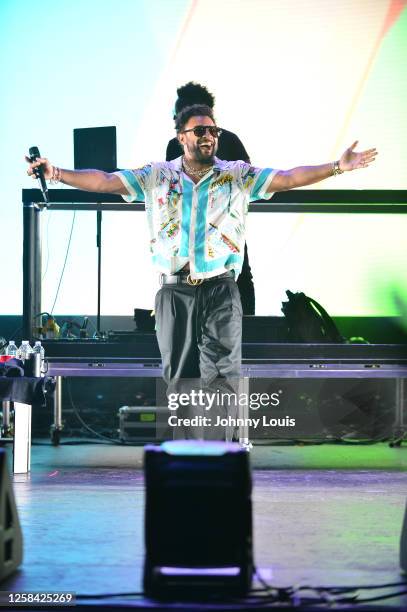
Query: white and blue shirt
x=202, y=224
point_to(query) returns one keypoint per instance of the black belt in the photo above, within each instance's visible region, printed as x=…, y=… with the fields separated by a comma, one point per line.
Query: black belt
x=184, y=278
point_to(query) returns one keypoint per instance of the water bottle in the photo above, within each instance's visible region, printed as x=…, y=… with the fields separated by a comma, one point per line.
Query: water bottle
x=38, y=356
x=25, y=350
x=51, y=328
x=12, y=348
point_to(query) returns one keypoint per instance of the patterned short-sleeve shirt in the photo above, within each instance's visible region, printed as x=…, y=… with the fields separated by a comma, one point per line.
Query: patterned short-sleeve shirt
x=201, y=224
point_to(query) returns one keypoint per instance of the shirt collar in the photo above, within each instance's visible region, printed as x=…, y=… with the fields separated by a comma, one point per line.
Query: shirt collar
x=219, y=164
x=176, y=164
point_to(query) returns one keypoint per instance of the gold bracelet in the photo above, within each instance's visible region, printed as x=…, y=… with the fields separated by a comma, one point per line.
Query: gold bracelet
x=336, y=169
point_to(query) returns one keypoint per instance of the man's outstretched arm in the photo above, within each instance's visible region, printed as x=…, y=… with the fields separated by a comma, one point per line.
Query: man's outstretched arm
x=88, y=180
x=307, y=175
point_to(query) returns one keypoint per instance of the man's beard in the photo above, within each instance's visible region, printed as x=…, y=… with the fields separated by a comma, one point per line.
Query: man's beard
x=203, y=155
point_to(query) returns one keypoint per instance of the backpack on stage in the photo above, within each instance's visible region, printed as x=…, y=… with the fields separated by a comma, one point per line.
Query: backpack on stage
x=308, y=321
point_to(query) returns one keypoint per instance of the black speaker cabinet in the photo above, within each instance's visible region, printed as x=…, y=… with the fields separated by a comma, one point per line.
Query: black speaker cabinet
x=198, y=520
x=11, y=539
x=95, y=148
x=403, y=544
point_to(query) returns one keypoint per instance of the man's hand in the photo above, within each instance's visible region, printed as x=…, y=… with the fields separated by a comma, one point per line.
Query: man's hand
x=40, y=161
x=88, y=180
x=308, y=175
x=351, y=160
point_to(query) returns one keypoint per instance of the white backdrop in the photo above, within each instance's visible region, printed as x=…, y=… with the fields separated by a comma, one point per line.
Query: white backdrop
x=297, y=80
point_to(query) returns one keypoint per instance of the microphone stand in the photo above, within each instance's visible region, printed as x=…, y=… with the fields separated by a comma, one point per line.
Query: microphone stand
x=99, y=248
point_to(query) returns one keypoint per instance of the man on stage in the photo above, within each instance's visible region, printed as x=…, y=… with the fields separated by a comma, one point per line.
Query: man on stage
x=196, y=207
x=230, y=148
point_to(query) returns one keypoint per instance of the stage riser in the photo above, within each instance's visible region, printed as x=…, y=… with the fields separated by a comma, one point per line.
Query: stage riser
x=323, y=409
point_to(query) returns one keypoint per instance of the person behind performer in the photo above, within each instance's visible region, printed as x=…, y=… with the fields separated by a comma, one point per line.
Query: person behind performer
x=230, y=148
x=197, y=207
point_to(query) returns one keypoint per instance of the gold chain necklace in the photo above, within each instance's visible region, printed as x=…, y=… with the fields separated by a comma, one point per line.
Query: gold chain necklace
x=198, y=173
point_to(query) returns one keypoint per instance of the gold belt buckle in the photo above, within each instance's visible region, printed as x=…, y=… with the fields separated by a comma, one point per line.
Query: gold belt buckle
x=194, y=282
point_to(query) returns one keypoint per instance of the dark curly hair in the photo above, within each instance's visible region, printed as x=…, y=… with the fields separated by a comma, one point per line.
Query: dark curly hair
x=193, y=93
x=192, y=111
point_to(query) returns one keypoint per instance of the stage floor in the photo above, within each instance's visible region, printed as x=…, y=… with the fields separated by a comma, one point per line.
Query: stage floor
x=323, y=515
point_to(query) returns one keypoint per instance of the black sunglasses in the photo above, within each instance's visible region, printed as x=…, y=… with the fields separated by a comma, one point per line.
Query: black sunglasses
x=200, y=130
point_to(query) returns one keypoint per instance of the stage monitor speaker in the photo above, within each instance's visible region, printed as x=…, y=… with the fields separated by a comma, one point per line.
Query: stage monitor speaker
x=403, y=544
x=11, y=539
x=95, y=148
x=198, y=520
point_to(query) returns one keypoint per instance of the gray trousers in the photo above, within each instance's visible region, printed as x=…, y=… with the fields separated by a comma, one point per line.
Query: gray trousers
x=199, y=333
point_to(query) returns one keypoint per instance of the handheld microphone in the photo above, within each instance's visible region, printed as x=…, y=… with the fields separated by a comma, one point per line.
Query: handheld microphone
x=39, y=173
